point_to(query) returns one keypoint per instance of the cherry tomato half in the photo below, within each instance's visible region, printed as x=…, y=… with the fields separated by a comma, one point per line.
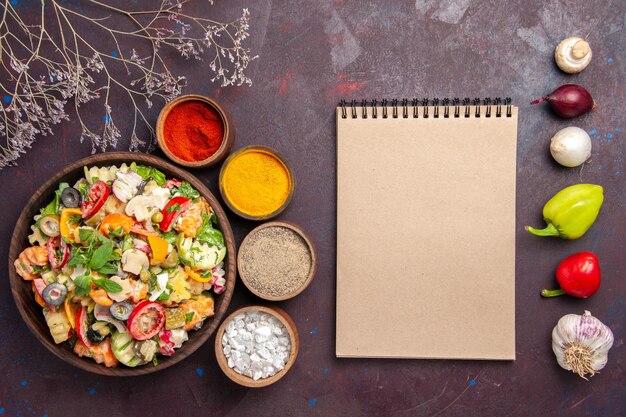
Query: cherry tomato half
x=58, y=252
x=96, y=196
x=146, y=320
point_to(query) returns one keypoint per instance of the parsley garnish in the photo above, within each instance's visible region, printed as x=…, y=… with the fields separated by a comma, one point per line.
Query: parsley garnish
x=174, y=208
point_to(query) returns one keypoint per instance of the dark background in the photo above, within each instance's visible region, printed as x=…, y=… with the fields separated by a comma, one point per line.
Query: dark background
x=311, y=54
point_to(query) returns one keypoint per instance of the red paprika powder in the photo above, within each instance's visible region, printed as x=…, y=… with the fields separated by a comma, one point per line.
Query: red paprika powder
x=193, y=131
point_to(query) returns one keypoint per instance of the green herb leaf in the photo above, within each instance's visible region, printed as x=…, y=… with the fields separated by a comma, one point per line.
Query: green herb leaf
x=109, y=268
x=169, y=237
x=101, y=255
x=165, y=295
x=127, y=243
x=174, y=208
x=207, y=234
x=186, y=190
x=119, y=232
x=148, y=173
x=85, y=235
x=107, y=285
x=83, y=285
x=155, y=361
x=83, y=188
x=75, y=219
x=189, y=316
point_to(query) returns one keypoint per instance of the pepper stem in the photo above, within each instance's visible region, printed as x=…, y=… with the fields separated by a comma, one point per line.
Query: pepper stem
x=552, y=293
x=539, y=100
x=550, y=230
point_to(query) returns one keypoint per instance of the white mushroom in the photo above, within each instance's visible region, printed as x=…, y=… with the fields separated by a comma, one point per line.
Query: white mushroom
x=134, y=261
x=572, y=55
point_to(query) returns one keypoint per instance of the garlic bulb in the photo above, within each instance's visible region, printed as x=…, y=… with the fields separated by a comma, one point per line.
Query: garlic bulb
x=581, y=343
x=572, y=55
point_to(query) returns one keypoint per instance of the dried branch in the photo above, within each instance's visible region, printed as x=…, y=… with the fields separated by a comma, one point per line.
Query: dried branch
x=38, y=86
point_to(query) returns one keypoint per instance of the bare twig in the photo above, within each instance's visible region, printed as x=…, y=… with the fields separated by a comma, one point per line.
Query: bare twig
x=38, y=85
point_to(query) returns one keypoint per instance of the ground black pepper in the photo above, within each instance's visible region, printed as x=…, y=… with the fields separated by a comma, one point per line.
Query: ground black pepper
x=276, y=261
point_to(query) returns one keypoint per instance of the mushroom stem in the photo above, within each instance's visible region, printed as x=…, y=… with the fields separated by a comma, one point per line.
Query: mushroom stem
x=580, y=49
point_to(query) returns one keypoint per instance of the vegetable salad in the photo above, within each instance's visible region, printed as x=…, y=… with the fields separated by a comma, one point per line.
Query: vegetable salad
x=124, y=263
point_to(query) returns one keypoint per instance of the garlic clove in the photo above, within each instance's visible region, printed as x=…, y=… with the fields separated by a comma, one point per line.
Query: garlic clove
x=573, y=55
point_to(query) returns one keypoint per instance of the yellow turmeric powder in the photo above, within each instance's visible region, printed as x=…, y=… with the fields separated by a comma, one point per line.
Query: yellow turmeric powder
x=256, y=182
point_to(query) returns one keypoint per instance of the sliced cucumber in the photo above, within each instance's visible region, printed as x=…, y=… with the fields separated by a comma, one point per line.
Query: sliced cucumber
x=221, y=254
x=122, y=345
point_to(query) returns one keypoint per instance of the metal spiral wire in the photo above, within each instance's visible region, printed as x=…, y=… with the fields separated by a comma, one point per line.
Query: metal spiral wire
x=503, y=107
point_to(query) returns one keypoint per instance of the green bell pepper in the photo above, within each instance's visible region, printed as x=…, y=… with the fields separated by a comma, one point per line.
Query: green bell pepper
x=571, y=212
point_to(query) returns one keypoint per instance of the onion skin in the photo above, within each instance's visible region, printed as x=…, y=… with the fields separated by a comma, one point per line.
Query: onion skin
x=568, y=101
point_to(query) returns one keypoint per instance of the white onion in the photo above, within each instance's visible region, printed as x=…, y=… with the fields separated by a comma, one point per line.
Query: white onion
x=571, y=146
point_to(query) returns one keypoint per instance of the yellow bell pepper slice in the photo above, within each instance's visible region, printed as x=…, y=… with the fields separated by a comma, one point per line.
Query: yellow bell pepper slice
x=159, y=249
x=67, y=225
x=197, y=277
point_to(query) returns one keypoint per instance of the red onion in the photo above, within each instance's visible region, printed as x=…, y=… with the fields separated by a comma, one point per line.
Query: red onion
x=569, y=100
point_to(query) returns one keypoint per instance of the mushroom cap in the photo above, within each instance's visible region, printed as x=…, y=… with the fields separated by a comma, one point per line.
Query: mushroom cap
x=572, y=55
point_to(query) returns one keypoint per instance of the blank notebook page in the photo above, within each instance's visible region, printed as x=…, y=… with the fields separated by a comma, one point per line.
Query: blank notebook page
x=426, y=235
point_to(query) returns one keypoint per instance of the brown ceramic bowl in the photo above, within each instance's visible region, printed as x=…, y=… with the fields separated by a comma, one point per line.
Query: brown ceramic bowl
x=246, y=381
x=275, y=154
x=227, y=141
x=31, y=312
x=246, y=279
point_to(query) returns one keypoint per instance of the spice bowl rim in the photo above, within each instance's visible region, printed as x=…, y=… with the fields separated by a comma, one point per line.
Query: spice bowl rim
x=298, y=230
x=281, y=159
x=227, y=140
x=294, y=340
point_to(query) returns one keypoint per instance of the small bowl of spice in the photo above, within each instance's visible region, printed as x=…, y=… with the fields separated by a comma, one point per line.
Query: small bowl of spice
x=195, y=131
x=256, y=183
x=276, y=261
x=256, y=345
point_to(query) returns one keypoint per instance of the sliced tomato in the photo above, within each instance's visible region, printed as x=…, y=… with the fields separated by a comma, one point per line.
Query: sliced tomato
x=58, y=252
x=146, y=320
x=82, y=325
x=174, y=208
x=96, y=196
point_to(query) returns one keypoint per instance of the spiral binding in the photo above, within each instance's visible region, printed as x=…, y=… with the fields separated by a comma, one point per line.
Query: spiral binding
x=455, y=104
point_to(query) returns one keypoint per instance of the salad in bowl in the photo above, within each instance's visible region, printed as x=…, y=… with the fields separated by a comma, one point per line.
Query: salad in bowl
x=124, y=263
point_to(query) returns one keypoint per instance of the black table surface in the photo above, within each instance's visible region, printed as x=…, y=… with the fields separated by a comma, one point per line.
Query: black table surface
x=311, y=55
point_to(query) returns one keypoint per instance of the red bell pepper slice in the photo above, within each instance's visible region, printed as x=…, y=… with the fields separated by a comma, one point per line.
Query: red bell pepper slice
x=96, y=196
x=578, y=275
x=146, y=320
x=174, y=208
x=58, y=252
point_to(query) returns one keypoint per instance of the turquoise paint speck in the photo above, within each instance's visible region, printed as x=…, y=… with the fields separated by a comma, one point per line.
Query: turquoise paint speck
x=24, y=383
x=610, y=60
x=312, y=403
x=592, y=132
x=618, y=129
x=200, y=371
x=7, y=99
x=114, y=54
x=107, y=118
x=314, y=331
x=2, y=411
x=14, y=2
x=609, y=135
x=472, y=382
x=91, y=391
x=325, y=371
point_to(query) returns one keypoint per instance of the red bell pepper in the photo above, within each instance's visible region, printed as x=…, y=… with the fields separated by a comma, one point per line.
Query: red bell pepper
x=174, y=208
x=82, y=325
x=578, y=275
